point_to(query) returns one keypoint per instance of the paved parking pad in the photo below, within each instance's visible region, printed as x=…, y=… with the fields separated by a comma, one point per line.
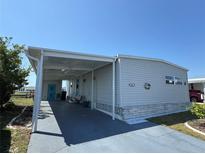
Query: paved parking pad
x=64, y=127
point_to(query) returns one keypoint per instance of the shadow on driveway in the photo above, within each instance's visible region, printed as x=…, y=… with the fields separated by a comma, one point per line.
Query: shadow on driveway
x=79, y=124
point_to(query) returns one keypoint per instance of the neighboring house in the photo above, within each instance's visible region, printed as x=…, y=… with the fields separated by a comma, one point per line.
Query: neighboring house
x=197, y=84
x=26, y=89
x=129, y=88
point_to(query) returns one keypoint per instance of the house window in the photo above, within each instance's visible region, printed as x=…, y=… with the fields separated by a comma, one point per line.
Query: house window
x=169, y=79
x=178, y=81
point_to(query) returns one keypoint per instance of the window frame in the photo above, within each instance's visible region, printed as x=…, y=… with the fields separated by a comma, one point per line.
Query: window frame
x=178, y=81
x=169, y=80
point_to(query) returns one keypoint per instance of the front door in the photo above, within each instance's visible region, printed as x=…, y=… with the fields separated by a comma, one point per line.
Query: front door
x=51, y=92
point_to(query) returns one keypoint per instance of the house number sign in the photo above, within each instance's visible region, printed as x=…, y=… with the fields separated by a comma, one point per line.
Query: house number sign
x=132, y=84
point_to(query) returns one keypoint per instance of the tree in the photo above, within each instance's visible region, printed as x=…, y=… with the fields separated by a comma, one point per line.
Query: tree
x=12, y=75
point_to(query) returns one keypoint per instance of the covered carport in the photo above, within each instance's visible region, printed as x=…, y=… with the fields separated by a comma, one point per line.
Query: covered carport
x=54, y=66
x=197, y=84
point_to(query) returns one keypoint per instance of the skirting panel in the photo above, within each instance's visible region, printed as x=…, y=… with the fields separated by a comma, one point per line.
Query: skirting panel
x=151, y=110
x=138, y=112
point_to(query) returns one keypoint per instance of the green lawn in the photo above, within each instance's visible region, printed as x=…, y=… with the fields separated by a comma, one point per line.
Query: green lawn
x=14, y=140
x=22, y=101
x=20, y=93
x=176, y=121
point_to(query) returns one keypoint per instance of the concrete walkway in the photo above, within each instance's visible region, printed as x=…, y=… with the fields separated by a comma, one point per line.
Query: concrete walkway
x=64, y=127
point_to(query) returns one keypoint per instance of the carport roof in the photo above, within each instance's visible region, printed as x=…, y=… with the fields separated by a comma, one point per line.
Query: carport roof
x=36, y=52
x=197, y=80
x=62, y=65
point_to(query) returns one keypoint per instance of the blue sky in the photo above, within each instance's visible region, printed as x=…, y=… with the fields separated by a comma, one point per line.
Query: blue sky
x=173, y=30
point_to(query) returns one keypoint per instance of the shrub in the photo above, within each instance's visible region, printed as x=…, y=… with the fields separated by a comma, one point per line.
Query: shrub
x=12, y=74
x=198, y=110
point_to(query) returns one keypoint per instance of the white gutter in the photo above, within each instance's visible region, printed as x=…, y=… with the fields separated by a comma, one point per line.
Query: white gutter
x=32, y=58
x=71, y=54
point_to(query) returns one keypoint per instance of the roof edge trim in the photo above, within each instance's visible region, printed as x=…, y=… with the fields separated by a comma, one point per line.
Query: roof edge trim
x=70, y=52
x=151, y=59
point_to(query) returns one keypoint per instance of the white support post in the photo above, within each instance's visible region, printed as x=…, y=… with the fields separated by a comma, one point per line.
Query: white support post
x=70, y=87
x=113, y=90
x=204, y=92
x=73, y=87
x=35, y=98
x=71, y=82
x=39, y=90
x=92, y=91
x=36, y=89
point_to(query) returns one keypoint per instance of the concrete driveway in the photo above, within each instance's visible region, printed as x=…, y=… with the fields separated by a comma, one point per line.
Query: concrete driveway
x=64, y=127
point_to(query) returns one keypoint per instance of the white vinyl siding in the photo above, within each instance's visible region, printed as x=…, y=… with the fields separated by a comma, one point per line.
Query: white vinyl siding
x=103, y=85
x=139, y=72
x=86, y=86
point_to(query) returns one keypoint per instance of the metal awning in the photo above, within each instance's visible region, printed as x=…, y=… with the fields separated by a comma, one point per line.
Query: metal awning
x=58, y=64
x=196, y=80
x=57, y=68
x=50, y=64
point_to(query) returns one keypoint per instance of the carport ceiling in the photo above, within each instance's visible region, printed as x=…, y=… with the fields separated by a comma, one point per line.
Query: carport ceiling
x=68, y=68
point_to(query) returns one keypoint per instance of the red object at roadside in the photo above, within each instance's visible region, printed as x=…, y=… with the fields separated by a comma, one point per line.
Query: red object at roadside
x=196, y=96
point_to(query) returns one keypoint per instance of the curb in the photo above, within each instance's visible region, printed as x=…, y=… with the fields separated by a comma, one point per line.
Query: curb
x=193, y=129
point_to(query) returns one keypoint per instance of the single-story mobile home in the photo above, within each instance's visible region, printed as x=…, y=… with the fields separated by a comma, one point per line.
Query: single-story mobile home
x=125, y=87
